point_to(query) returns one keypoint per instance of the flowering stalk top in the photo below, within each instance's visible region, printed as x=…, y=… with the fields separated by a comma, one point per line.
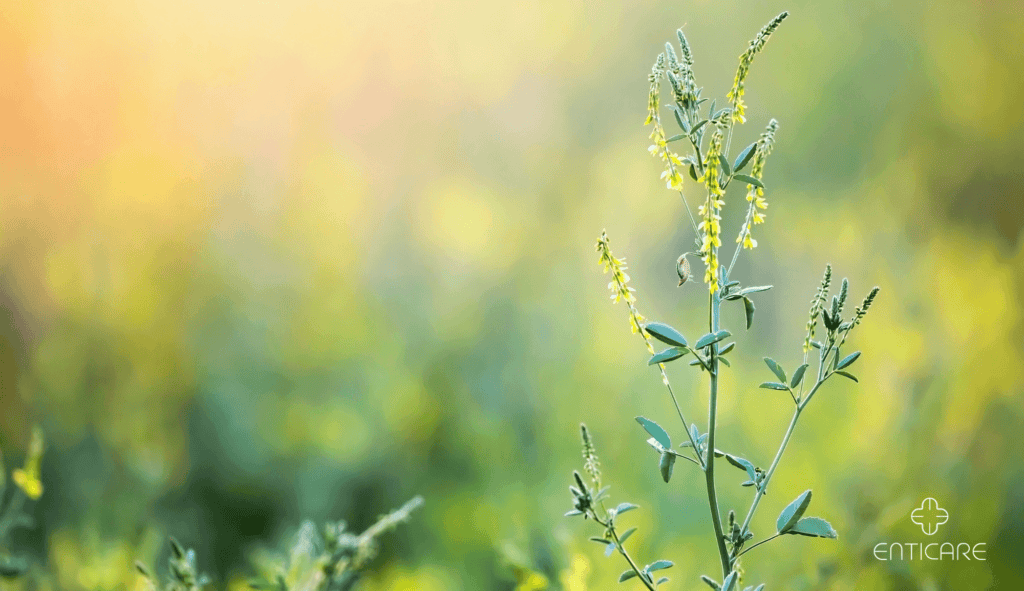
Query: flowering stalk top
x=735, y=95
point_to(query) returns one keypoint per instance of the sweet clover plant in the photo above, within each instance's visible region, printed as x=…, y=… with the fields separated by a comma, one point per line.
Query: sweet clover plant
x=706, y=134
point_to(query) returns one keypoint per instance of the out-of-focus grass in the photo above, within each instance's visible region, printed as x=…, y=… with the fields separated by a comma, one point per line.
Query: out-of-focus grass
x=281, y=260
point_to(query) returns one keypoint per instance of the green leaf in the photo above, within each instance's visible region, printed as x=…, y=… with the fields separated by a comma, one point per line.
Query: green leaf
x=793, y=512
x=679, y=119
x=629, y=574
x=814, y=527
x=660, y=581
x=754, y=289
x=725, y=361
x=693, y=173
x=744, y=157
x=697, y=127
x=749, y=180
x=748, y=308
x=848, y=360
x=848, y=376
x=656, y=432
x=659, y=565
x=666, y=334
x=729, y=581
x=676, y=137
x=670, y=354
x=727, y=348
x=776, y=369
x=798, y=376
x=623, y=507
x=775, y=386
x=726, y=168
x=601, y=541
x=668, y=459
x=710, y=582
x=742, y=464
x=625, y=535
x=712, y=338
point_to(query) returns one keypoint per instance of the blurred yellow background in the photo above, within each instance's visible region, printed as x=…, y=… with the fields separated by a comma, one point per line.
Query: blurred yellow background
x=263, y=261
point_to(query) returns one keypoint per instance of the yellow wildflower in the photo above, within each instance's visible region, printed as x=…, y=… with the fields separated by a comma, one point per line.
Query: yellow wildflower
x=27, y=478
x=655, y=92
x=735, y=95
x=755, y=194
x=710, y=225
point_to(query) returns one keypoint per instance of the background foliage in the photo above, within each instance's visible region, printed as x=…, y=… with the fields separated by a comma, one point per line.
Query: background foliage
x=268, y=261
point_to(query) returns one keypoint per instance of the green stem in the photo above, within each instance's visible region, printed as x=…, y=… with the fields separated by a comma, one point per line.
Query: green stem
x=771, y=469
x=618, y=544
x=778, y=455
x=679, y=411
x=709, y=465
x=764, y=541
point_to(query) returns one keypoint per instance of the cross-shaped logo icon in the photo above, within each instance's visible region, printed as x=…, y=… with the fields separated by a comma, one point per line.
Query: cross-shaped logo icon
x=929, y=516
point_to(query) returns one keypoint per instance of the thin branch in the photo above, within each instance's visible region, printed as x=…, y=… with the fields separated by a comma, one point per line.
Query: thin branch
x=709, y=466
x=610, y=526
x=764, y=541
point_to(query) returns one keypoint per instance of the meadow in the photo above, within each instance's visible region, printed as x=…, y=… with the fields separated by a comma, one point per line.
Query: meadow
x=264, y=263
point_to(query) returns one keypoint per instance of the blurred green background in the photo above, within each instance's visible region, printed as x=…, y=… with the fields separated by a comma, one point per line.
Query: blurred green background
x=262, y=261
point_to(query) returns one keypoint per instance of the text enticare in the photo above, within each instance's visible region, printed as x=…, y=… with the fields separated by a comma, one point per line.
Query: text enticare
x=933, y=551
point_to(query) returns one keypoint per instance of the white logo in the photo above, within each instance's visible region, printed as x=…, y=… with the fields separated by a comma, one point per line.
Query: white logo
x=929, y=516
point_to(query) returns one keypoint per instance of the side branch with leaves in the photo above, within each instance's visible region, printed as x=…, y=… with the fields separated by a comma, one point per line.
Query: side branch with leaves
x=707, y=133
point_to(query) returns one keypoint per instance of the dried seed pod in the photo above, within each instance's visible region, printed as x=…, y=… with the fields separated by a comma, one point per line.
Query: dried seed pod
x=683, y=269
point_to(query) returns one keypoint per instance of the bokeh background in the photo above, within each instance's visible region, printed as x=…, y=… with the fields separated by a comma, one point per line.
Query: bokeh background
x=267, y=261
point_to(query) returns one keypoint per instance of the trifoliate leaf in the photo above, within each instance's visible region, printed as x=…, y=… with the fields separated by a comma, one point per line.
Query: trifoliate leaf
x=749, y=180
x=656, y=432
x=814, y=527
x=623, y=507
x=776, y=369
x=659, y=565
x=744, y=157
x=711, y=338
x=798, y=376
x=848, y=360
x=666, y=334
x=793, y=512
x=726, y=168
x=670, y=354
x=730, y=581
x=625, y=535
